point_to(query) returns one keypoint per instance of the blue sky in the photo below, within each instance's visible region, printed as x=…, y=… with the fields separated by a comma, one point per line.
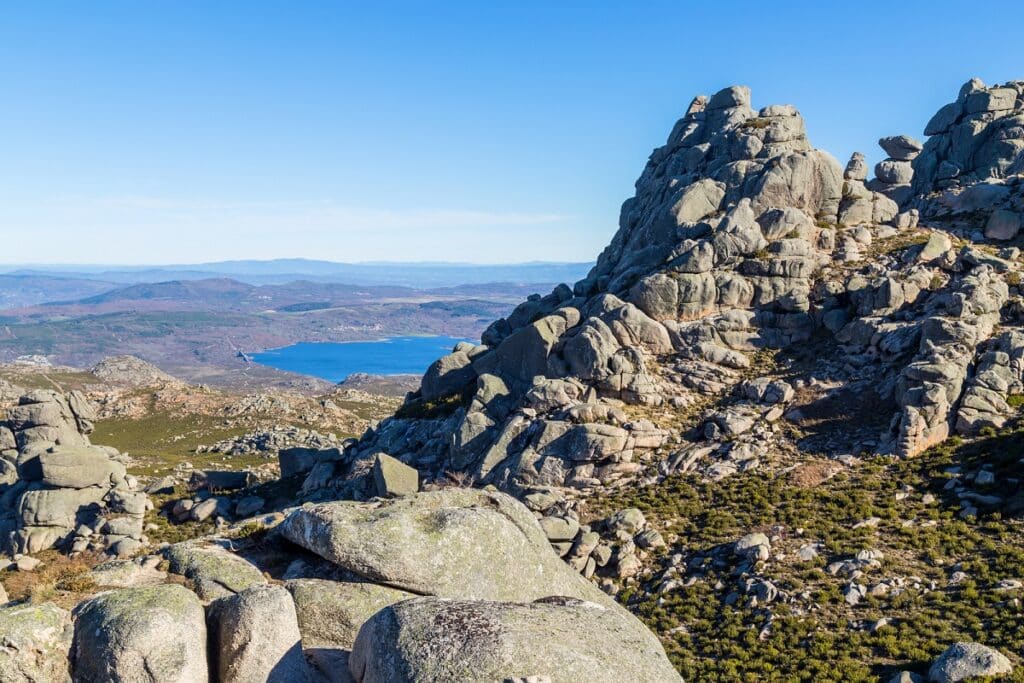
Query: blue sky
x=174, y=131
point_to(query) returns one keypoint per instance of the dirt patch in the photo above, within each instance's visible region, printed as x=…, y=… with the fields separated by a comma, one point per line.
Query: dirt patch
x=814, y=473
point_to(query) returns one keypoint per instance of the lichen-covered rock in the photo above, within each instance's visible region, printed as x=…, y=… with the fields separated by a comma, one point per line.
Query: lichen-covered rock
x=34, y=643
x=255, y=637
x=430, y=640
x=125, y=574
x=331, y=612
x=215, y=572
x=154, y=633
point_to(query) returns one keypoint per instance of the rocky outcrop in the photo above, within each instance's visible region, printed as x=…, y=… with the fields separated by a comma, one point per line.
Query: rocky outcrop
x=741, y=238
x=133, y=372
x=968, y=174
x=57, y=489
x=757, y=301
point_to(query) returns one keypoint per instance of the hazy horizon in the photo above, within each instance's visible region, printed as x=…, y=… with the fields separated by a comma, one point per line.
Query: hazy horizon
x=4, y=265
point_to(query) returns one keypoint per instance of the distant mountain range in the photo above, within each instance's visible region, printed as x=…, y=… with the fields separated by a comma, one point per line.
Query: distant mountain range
x=418, y=275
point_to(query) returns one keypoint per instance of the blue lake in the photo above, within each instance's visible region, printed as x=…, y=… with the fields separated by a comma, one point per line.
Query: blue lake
x=336, y=361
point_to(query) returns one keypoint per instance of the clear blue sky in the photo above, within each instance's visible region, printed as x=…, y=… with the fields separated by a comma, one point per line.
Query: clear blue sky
x=174, y=131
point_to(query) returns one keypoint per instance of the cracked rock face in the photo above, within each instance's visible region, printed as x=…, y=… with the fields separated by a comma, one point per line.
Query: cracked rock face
x=743, y=239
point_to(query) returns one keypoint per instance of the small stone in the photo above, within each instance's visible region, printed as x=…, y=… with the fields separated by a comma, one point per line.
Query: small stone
x=27, y=564
x=627, y=566
x=629, y=520
x=560, y=528
x=808, y=553
x=650, y=539
x=755, y=546
x=602, y=555
x=985, y=478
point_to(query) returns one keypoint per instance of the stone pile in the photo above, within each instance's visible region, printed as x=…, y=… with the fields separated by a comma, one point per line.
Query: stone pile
x=893, y=175
x=608, y=550
x=57, y=489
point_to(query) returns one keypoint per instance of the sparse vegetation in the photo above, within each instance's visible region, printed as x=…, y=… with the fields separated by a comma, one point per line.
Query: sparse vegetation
x=710, y=640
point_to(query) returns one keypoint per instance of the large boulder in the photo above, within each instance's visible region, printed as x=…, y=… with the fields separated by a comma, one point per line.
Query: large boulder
x=34, y=643
x=460, y=543
x=155, y=634
x=559, y=640
x=966, y=661
x=256, y=636
x=901, y=147
x=447, y=375
x=57, y=507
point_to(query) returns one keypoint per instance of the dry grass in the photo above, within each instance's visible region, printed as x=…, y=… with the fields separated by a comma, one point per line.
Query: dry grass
x=62, y=580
